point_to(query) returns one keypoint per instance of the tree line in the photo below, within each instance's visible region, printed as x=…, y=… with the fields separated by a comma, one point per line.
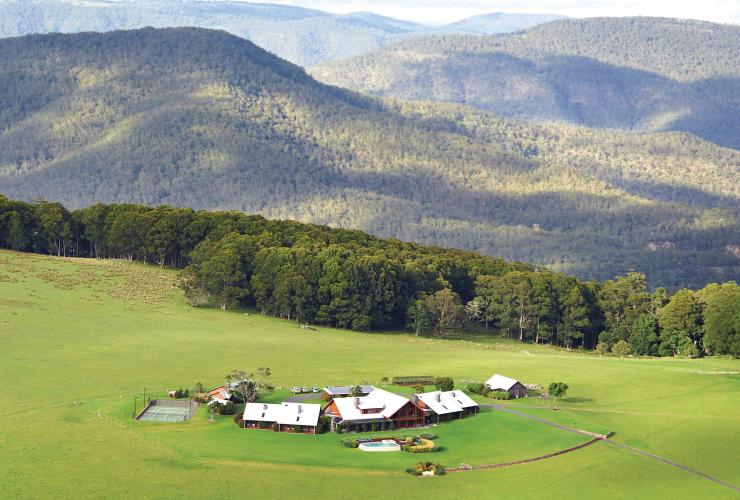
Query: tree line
x=349, y=279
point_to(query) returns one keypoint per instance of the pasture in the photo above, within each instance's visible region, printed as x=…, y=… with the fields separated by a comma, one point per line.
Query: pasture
x=80, y=338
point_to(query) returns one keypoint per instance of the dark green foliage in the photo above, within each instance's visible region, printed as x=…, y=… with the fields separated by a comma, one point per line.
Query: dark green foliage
x=324, y=424
x=182, y=393
x=200, y=118
x=417, y=388
x=630, y=73
x=444, y=383
x=644, y=336
x=557, y=389
x=239, y=419
x=428, y=435
x=477, y=388
x=722, y=318
x=502, y=395
x=227, y=408
x=350, y=443
x=681, y=325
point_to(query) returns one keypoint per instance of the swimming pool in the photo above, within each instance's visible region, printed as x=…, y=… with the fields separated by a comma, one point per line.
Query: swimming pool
x=385, y=445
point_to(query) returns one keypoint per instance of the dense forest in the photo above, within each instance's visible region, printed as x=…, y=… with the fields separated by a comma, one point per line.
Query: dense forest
x=303, y=36
x=203, y=119
x=640, y=74
x=349, y=279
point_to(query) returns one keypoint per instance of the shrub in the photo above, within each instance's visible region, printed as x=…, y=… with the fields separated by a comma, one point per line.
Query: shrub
x=385, y=380
x=238, y=419
x=405, y=447
x=350, y=443
x=324, y=424
x=275, y=427
x=444, y=383
x=296, y=428
x=503, y=395
x=477, y=388
x=428, y=435
x=224, y=409
x=621, y=349
x=418, y=388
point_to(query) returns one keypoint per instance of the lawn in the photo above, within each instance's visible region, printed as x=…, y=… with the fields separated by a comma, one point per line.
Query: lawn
x=80, y=338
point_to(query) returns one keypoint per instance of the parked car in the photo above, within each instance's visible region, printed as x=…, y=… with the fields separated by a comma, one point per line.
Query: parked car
x=315, y=389
x=304, y=389
x=295, y=390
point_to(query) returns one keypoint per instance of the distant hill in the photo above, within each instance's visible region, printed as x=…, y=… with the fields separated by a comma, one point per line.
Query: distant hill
x=193, y=117
x=497, y=22
x=303, y=36
x=639, y=74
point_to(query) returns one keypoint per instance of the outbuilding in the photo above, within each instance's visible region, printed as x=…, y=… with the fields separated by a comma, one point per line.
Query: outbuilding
x=500, y=383
x=445, y=405
x=283, y=417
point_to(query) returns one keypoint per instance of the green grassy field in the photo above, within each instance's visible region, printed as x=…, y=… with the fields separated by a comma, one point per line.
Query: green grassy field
x=97, y=333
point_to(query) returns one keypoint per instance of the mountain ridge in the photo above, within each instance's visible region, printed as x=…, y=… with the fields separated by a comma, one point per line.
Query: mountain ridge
x=640, y=74
x=303, y=36
x=193, y=117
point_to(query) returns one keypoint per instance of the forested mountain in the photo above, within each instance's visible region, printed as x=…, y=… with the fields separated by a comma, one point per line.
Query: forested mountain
x=199, y=118
x=496, y=22
x=640, y=74
x=303, y=36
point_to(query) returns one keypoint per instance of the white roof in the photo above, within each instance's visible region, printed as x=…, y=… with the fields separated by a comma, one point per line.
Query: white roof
x=499, y=382
x=283, y=413
x=343, y=390
x=385, y=402
x=443, y=403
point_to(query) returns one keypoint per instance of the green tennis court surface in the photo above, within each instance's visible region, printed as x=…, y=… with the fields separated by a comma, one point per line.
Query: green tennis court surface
x=160, y=411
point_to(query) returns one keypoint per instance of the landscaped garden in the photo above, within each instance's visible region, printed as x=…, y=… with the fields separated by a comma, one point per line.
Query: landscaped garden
x=135, y=333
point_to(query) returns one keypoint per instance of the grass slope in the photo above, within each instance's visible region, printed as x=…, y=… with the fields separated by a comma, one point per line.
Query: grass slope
x=101, y=331
x=203, y=119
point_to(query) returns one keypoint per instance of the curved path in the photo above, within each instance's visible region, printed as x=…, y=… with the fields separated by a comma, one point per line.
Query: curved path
x=686, y=468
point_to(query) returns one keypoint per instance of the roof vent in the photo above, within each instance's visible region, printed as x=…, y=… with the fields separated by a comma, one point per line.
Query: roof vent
x=300, y=409
x=357, y=402
x=264, y=407
x=452, y=394
x=438, y=397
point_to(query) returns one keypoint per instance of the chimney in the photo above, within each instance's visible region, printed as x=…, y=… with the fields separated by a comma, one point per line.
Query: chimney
x=357, y=402
x=438, y=397
x=452, y=394
x=300, y=409
x=264, y=407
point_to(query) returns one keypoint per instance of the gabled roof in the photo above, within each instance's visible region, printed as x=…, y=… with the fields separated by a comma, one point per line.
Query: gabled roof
x=443, y=403
x=499, y=382
x=283, y=413
x=385, y=402
x=343, y=390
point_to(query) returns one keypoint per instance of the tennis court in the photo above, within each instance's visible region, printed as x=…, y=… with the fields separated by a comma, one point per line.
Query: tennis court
x=168, y=411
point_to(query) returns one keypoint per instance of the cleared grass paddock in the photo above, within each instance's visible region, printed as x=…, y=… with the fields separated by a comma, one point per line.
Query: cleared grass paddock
x=162, y=410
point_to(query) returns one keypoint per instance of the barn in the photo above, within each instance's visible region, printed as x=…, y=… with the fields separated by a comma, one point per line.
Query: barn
x=500, y=383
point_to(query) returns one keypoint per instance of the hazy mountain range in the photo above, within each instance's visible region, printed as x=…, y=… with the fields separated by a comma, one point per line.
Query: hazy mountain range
x=201, y=118
x=303, y=36
x=638, y=74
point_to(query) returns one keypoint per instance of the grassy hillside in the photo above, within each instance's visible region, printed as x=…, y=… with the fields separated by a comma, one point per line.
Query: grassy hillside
x=105, y=330
x=303, y=36
x=203, y=119
x=642, y=74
